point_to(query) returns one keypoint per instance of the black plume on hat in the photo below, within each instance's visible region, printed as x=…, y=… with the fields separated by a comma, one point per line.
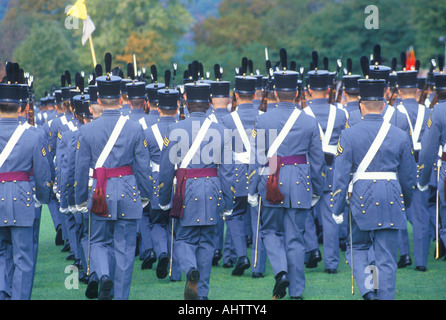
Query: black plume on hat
x=417, y=65
x=440, y=63
x=98, y=70
x=403, y=60
x=16, y=73
x=76, y=79
x=108, y=62
x=377, y=54
x=195, y=67
x=68, y=78
x=200, y=70
x=293, y=65
x=167, y=76
x=251, y=67
x=9, y=71
x=130, y=71
x=315, y=59
x=268, y=66
x=81, y=84
x=62, y=81
x=325, y=61
x=217, y=72
x=283, y=58
x=365, y=66
x=394, y=63
x=349, y=66
x=93, y=80
x=154, y=73
x=244, y=68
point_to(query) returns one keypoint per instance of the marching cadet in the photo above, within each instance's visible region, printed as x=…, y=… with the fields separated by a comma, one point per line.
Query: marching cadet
x=331, y=121
x=117, y=150
x=433, y=139
x=390, y=113
x=125, y=104
x=152, y=117
x=22, y=151
x=220, y=93
x=379, y=156
x=418, y=213
x=351, y=90
x=203, y=186
x=239, y=121
x=159, y=219
x=288, y=175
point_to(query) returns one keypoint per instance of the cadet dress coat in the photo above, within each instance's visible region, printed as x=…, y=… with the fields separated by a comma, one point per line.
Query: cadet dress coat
x=321, y=110
x=204, y=198
x=378, y=207
x=434, y=137
x=17, y=209
x=283, y=224
x=123, y=194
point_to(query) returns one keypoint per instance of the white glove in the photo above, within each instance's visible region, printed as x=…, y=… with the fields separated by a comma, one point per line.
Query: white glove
x=83, y=207
x=72, y=209
x=314, y=200
x=63, y=210
x=253, y=200
x=226, y=213
x=58, y=196
x=166, y=207
x=37, y=203
x=338, y=219
x=145, y=202
x=422, y=188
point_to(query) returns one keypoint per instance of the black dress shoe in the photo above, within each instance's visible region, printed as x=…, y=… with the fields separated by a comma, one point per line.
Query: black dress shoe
x=83, y=277
x=149, y=260
x=280, y=286
x=256, y=275
x=66, y=247
x=105, y=288
x=313, y=258
x=241, y=266
x=190, y=291
x=371, y=295
x=420, y=268
x=228, y=264
x=58, y=240
x=404, y=261
x=343, y=244
x=161, y=268
x=217, y=256
x=331, y=271
x=92, y=287
x=296, y=298
x=71, y=256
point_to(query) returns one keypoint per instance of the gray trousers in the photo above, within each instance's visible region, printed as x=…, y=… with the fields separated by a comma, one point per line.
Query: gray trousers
x=21, y=240
x=381, y=275
x=113, y=245
x=282, y=234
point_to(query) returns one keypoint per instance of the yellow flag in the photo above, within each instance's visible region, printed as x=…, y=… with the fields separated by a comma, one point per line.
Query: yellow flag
x=78, y=10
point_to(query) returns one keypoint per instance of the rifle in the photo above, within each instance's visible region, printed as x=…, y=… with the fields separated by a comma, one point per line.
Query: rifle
x=264, y=102
x=182, y=116
x=393, y=97
x=334, y=85
x=423, y=94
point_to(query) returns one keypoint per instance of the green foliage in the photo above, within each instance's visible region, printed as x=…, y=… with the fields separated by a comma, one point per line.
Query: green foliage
x=333, y=28
x=46, y=53
x=52, y=272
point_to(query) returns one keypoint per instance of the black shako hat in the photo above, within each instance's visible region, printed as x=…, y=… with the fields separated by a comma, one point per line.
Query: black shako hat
x=370, y=89
x=219, y=88
x=109, y=86
x=317, y=79
x=168, y=98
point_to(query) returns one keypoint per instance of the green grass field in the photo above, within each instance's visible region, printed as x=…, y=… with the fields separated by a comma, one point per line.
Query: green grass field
x=50, y=279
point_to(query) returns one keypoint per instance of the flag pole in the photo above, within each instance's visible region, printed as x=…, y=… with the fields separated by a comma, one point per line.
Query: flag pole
x=92, y=51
